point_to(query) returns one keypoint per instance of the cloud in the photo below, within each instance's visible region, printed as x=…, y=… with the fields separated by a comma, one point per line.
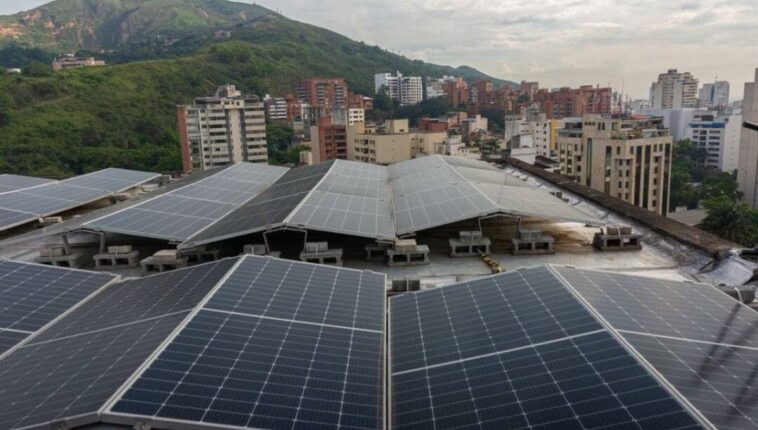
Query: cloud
x=558, y=42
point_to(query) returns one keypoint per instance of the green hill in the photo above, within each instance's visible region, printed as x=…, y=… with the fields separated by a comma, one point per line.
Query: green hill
x=70, y=25
x=124, y=114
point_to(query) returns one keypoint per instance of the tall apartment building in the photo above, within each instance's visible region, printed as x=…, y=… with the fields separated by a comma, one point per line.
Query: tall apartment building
x=674, y=90
x=625, y=158
x=535, y=125
x=226, y=128
x=328, y=141
x=528, y=89
x=747, y=172
x=568, y=102
x=276, y=108
x=329, y=93
x=457, y=92
x=714, y=95
x=719, y=137
x=406, y=90
x=482, y=93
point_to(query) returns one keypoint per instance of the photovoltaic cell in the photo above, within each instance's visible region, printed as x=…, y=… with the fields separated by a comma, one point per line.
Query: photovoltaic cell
x=516, y=350
x=74, y=366
x=54, y=197
x=182, y=213
x=32, y=295
x=16, y=182
x=269, y=208
x=9, y=339
x=701, y=340
x=279, y=345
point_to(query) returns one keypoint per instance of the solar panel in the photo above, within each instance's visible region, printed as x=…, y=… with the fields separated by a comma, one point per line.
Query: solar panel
x=9, y=339
x=54, y=197
x=32, y=295
x=182, y=213
x=516, y=350
x=74, y=366
x=353, y=199
x=522, y=201
x=280, y=344
x=701, y=340
x=16, y=182
x=269, y=208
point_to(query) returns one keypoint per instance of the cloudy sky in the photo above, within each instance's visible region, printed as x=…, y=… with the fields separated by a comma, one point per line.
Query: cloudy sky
x=556, y=42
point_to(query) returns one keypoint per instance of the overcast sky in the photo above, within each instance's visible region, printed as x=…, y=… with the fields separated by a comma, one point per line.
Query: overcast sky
x=556, y=42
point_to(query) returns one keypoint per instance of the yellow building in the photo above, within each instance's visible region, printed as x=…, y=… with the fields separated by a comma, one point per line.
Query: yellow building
x=390, y=142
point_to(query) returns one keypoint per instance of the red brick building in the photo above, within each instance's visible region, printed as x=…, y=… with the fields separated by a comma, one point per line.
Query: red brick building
x=457, y=92
x=328, y=141
x=329, y=93
x=432, y=124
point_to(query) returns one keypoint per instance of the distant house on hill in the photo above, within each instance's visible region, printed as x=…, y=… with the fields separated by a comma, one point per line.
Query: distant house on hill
x=70, y=61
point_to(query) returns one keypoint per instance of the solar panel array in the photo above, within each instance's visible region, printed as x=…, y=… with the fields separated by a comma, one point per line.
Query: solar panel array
x=32, y=296
x=516, y=350
x=701, y=340
x=268, y=209
x=353, y=198
x=71, y=368
x=181, y=213
x=379, y=202
x=16, y=182
x=25, y=205
x=280, y=344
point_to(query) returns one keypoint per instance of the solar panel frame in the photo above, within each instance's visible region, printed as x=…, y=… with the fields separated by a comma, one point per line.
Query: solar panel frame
x=119, y=410
x=183, y=213
x=656, y=338
x=664, y=392
x=104, y=339
x=10, y=182
x=55, y=197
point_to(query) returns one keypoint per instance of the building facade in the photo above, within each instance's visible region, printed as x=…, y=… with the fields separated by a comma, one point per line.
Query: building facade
x=719, y=137
x=391, y=142
x=405, y=90
x=70, y=61
x=276, y=108
x=747, y=172
x=626, y=158
x=714, y=95
x=226, y=128
x=674, y=90
x=329, y=93
x=542, y=132
x=328, y=141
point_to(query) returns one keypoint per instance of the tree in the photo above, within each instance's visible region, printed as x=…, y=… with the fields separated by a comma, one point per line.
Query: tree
x=38, y=70
x=731, y=220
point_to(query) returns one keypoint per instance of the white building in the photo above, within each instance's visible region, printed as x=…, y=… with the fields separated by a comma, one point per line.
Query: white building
x=676, y=120
x=411, y=90
x=719, y=137
x=276, y=108
x=637, y=106
x=390, y=84
x=674, y=90
x=226, y=128
x=747, y=172
x=715, y=95
x=536, y=126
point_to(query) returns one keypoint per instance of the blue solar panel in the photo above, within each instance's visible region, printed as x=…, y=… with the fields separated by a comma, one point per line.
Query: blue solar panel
x=280, y=344
x=516, y=350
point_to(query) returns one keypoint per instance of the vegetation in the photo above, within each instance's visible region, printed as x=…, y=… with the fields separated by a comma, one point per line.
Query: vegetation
x=124, y=115
x=280, y=148
x=731, y=220
x=384, y=108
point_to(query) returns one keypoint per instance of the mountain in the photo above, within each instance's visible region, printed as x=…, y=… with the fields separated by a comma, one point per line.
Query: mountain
x=58, y=124
x=96, y=25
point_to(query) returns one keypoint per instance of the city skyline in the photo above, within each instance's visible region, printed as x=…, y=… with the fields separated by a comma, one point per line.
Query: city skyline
x=518, y=40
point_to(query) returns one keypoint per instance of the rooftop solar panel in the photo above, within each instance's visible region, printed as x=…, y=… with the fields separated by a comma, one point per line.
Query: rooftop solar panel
x=280, y=344
x=54, y=197
x=10, y=338
x=701, y=340
x=184, y=212
x=517, y=350
x=538, y=203
x=16, y=182
x=268, y=209
x=70, y=370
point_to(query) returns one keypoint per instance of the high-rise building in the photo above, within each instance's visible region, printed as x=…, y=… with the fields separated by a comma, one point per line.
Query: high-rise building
x=568, y=102
x=226, y=128
x=482, y=93
x=747, y=172
x=625, y=158
x=719, y=137
x=714, y=95
x=328, y=140
x=405, y=90
x=328, y=93
x=276, y=108
x=533, y=124
x=457, y=92
x=674, y=90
